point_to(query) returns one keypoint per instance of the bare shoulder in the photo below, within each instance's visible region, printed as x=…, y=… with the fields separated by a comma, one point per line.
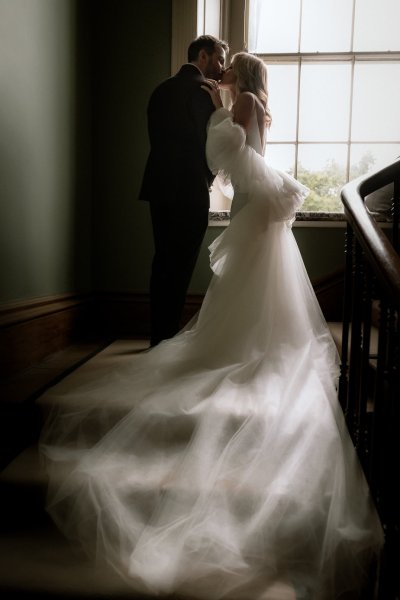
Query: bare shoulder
x=245, y=102
x=243, y=108
x=246, y=98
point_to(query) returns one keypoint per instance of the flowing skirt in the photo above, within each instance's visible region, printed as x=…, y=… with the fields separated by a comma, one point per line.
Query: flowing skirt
x=219, y=463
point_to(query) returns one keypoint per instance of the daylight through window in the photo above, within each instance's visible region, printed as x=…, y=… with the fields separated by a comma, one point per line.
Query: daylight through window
x=334, y=82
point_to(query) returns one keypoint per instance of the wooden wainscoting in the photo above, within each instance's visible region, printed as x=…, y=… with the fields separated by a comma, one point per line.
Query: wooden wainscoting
x=37, y=328
x=127, y=314
x=34, y=329
x=41, y=340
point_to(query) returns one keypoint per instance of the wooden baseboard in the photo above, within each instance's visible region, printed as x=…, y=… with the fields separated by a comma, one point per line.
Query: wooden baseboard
x=120, y=314
x=128, y=314
x=32, y=330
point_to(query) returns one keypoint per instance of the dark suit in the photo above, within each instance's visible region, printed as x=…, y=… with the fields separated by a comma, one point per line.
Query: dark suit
x=176, y=182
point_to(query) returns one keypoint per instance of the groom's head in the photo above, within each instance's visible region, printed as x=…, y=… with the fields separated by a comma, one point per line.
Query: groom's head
x=208, y=54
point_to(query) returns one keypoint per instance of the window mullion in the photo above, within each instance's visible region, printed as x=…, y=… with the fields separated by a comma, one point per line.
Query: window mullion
x=350, y=119
x=353, y=20
x=300, y=27
x=296, y=148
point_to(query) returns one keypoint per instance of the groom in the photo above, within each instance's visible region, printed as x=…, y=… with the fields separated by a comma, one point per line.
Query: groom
x=177, y=180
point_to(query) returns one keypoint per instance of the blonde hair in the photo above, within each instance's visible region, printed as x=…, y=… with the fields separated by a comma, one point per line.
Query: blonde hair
x=251, y=74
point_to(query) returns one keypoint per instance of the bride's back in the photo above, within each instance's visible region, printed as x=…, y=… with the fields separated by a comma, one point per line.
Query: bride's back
x=249, y=112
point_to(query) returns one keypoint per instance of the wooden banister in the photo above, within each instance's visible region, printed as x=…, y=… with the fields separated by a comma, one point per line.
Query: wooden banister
x=376, y=245
x=369, y=387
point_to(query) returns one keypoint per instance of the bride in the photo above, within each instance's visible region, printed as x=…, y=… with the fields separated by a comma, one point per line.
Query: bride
x=218, y=464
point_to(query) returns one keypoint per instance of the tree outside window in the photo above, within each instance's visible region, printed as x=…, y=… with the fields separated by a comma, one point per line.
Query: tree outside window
x=334, y=81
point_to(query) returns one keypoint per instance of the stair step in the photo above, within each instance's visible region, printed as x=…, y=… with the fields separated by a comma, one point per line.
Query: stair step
x=336, y=331
x=114, y=355
x=23, y=487
x=41, y=563
x=30, y=383
x=37, y=562
x=20, y=418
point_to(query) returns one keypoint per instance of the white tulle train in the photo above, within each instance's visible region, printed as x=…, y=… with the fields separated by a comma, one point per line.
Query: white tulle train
x=218, y=463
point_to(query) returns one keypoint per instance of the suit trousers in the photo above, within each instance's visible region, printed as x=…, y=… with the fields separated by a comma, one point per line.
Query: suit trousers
x=179, y=225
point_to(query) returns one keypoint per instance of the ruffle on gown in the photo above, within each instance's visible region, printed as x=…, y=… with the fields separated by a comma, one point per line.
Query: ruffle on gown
x=219, y=463
x=275, y=195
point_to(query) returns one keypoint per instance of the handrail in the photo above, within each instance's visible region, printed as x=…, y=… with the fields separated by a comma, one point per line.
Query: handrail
x=382, y=256
x=369, y=386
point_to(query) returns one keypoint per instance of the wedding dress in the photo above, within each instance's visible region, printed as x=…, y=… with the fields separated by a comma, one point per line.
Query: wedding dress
x=219, y=463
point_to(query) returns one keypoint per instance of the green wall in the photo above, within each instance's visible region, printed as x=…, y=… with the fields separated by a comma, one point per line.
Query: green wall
x=75, y=80
x=132, y=42
x=44, y=206
x=322, y=249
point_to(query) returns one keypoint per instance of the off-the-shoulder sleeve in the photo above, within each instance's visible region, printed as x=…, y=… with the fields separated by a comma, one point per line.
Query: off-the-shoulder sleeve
x=278, y=194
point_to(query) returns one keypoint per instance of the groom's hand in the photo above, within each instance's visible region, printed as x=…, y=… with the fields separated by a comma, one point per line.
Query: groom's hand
x=211, y=86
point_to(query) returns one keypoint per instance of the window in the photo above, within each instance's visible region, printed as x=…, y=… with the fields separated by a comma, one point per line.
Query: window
x=334, y=82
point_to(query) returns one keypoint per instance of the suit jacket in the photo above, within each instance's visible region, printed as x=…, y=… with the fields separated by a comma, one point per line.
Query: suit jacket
x=178, y=113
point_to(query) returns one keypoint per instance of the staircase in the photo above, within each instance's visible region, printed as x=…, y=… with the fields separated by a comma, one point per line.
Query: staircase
x=369, y=386
x=35, y=560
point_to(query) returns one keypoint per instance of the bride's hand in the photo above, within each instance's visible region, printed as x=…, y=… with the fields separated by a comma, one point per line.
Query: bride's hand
x=213, y=89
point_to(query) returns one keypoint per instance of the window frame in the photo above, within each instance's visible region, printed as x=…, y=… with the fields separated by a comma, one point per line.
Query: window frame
x=299, y=58
x=339, y=58
x=229, y=19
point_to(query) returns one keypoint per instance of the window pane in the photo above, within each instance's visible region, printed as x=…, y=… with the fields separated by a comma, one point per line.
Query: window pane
x=282, y=86
x=212, y=19
x=324, y=102
x=325, y=94
x=218, y=199
x=281, y=156
x=368, y=157
x=322, y=168
x=376, y=25
x=376, y=114
x=326, y=26
x=274, y=26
